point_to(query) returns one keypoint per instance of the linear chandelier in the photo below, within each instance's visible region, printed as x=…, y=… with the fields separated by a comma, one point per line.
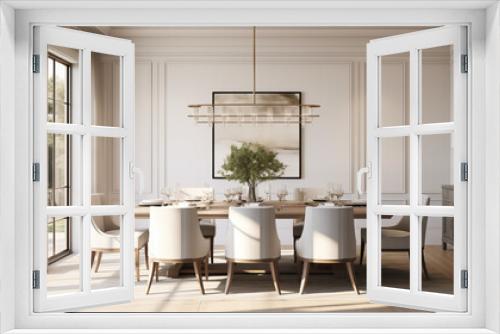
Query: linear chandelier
x=254, y=112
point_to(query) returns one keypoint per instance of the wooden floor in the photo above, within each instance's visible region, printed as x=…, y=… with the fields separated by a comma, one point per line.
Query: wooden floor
x=252, y=290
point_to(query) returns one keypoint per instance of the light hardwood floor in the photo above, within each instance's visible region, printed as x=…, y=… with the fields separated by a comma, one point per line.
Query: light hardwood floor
x=252, y=290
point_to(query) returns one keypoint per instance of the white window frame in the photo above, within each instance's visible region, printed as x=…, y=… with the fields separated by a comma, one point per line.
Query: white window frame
x=479, y=315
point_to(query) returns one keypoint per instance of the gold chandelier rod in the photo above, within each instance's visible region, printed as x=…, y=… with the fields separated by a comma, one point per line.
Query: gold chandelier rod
x=254, y=64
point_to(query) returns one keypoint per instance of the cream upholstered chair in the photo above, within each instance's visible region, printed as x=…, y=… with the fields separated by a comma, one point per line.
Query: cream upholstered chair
x=252, y=238
x=105, y=238
x=328, y=237
x=175, y=237
x=207, y=225
x=304, y=194
x=397, y=238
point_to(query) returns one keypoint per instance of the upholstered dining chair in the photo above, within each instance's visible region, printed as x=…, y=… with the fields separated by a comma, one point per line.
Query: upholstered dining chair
x=175, y=237
x=304, y=194
x=208, y=227
x=105, y=238
x=397, y=238
x=252, y=238
x=328, y=237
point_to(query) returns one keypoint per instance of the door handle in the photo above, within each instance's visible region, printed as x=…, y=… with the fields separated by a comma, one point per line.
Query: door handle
x=359, y=178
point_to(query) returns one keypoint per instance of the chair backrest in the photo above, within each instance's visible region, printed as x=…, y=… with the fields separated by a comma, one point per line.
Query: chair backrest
x=252, y=234
x=308, y=194
x=174, y=234
x=328, y=234
x=183, y=194
x=424, y=223
x=404, y=222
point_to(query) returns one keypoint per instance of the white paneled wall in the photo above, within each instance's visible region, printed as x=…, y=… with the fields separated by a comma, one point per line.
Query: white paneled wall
x=177, y=67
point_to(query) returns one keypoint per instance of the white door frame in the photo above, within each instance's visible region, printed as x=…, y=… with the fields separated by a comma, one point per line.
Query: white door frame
x=291, y=17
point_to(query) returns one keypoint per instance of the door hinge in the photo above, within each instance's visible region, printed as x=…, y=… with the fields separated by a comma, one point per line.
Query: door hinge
x=465, y=64
x=36, y=172
x=464, y=279
x=36, y=63
x=464, y=171
x=36, y=279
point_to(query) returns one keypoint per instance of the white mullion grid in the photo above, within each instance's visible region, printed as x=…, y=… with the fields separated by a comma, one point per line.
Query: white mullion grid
x=127, y=157
x=373, y=253
x=107, y=210
x=434, y=128
x=86, y=171
x=420, y=210
x=79, y=129
x=393, y=131
x=415, y=169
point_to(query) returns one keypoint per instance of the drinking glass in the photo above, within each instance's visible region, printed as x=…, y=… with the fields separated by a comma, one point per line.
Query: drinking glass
x=338, y=191
x=228, y=194
x=167, y=192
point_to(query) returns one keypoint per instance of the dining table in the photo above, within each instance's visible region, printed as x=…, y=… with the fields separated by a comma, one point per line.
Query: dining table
x=284, y=209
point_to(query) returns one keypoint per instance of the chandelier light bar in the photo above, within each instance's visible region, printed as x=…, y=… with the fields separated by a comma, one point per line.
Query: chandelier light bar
x=252, y=113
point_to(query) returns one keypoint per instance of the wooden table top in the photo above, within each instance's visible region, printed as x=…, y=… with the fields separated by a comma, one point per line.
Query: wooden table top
x=284, y=210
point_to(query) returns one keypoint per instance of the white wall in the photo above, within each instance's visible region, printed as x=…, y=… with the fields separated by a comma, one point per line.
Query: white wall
x=7, y=168
x=177, y=67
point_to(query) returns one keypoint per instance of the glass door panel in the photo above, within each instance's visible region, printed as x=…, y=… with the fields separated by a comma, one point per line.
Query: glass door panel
x=79, y=160
x=416, y=157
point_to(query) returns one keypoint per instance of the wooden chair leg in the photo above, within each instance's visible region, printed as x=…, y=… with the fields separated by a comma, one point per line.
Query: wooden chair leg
x=352, y=277
x=229, y=279
x=362, y=253
x=276, y=275
x=294, y=250
x=197, y=272
x=98, y=261
x=146, y=255
x=424, y=266
x=154, y=268
x=305, y=276
x=92, y=258
x=157, y=272
x=206, y=268
x=137, y=269
x=212, y=250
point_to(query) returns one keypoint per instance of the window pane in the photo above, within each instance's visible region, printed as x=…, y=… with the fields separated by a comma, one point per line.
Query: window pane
x=105, y=241
x=437, y=86
x=61, y=235
x=50, y=77
x=394, y=170
x=61, y=65
x=395, y=248
x=63, y=273
x=106, y=170
x=106, y=90
x=394, y=92
x=50, y=238
x=61, y=80
x=59, y=169
x=438, y=260
x=61, y=112
x=437, y=166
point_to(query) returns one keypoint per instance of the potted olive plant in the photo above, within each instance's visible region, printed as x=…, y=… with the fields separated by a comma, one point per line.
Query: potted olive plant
x=251, y=164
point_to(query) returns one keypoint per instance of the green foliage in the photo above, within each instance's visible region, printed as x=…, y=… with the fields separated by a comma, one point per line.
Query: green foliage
x=251, y=163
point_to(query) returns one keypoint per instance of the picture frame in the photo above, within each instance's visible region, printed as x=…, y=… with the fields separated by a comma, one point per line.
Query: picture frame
x=285, y=139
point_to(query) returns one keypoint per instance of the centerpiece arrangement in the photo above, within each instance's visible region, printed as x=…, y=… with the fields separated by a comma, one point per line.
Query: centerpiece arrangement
x=251, y=164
